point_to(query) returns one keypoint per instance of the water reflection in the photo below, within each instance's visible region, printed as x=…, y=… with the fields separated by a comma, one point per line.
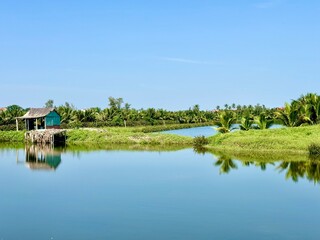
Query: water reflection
x=308, y=168
x=225, y=163
x=42, y=157
x=294, y=167
x=304, y=169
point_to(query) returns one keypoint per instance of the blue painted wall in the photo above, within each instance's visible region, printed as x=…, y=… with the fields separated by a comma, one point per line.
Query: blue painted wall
x=53, y=119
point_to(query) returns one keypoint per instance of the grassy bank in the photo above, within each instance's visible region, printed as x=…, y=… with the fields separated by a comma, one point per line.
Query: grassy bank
x=11, y=136
x=110, y=135
x=116, y=135
x=286, y=140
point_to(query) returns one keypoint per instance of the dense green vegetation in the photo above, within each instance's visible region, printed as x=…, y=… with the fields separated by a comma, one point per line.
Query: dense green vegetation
x=301, y=117
x=290, y=140
x=303, y=111
x=297, y=137
x=119, y=113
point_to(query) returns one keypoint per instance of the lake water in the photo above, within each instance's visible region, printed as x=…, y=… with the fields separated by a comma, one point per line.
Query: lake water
x=206, y=131
x=125, y=194
x=194, y=132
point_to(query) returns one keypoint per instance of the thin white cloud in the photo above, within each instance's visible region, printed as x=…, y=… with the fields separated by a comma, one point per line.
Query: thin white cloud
x=189, y=61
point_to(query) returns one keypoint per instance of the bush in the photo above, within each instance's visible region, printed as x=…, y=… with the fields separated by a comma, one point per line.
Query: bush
x=314, y=149
x=200, y=141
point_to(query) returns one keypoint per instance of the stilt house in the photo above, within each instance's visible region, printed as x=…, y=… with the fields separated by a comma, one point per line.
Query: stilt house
x=41, y=118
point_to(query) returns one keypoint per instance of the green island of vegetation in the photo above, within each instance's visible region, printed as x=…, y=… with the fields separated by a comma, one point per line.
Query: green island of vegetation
x=120, y=124
x=285, y=140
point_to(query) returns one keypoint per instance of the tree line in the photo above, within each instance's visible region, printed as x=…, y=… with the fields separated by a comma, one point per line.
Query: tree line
x=303, y=111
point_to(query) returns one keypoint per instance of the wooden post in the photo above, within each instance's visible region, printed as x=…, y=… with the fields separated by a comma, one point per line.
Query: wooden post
x=36, y=123
x=17, y=124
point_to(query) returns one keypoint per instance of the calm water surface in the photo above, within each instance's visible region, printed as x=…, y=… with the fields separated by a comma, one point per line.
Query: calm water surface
x=194, y=132
x=206, y=131
x=123, y=194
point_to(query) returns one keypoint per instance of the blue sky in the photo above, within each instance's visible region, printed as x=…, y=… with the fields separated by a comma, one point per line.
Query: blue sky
x=162, y=54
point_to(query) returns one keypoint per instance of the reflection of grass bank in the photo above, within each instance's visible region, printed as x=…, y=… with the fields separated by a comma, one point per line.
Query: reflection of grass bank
x=12, y=145
x=260, y=156
x=87, y=147
x=290, y=141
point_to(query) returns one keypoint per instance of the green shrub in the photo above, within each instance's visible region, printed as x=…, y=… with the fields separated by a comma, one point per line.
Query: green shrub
x=314, y=149
x=200, y=141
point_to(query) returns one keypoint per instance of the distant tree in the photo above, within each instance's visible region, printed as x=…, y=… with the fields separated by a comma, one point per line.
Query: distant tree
x=49, y=104
x=115, y=103
x=12, y=112
x=196, y=108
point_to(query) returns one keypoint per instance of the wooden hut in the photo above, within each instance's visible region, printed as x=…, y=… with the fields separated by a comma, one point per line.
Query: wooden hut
x=41, y=118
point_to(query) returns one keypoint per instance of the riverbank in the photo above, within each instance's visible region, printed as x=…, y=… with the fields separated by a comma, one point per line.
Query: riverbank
x=271, y=141
x=110, y=135
x=285, y=140
x=121, y=135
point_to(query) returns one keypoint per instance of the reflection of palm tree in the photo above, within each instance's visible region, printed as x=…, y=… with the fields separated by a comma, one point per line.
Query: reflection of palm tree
x=247, y=163
x=226, y=164
x=313, y=171
x=263, y=165
x=294, y=169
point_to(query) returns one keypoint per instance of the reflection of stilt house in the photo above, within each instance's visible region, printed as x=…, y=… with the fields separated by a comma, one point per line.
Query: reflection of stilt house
x=44, y=158
x=43, y=126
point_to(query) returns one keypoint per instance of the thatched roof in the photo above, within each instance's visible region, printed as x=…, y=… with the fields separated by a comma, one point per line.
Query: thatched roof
x=37, y=113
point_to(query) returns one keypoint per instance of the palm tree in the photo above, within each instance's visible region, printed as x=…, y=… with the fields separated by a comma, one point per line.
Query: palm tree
x=246, y=123
x=225, y=121
x=263, y=122
x=289, y=115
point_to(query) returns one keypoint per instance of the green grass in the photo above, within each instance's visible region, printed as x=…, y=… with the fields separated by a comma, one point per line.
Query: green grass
x=117, y=135
x=284, y=140
x=110, y=135
x=12, y=136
